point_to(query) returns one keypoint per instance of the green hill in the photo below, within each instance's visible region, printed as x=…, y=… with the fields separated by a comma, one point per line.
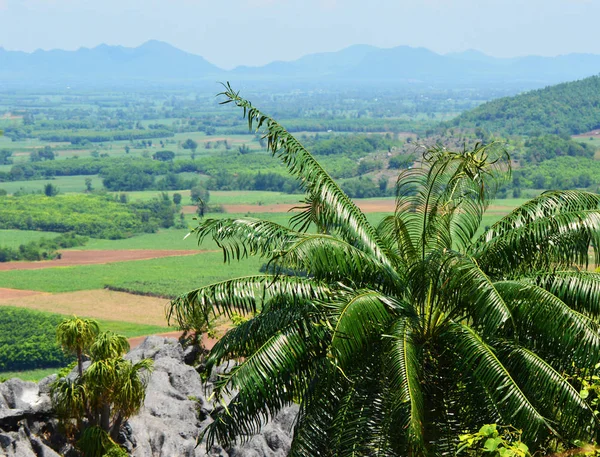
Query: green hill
x=569, y=108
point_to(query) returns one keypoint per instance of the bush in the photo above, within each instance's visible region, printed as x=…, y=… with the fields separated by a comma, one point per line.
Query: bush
x=91, y=215
x=28, y=340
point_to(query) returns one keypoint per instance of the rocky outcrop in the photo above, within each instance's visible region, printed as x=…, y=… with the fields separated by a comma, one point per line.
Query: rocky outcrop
x=25, y=416
x=175, y=411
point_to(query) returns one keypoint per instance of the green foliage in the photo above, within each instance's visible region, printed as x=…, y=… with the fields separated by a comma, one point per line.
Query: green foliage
x=244, y=149
x=39, y=155
x=76, y=335
x=164, y=156
x=237, y=319
x=199, y=193
x=189, y=144
x=351, y=145
x=95, y=442
x=41, y=249
x=491, y=442
x=109, y=391
x=27, y=340
x=395, y=338
x=50, y=190
x=544, y=111
x=363, y=188
x=401, y=161
x=127, y=179
x=559, y=173
x=91, y=215
x=6, y=157
x=539, y=149
x=83, y=136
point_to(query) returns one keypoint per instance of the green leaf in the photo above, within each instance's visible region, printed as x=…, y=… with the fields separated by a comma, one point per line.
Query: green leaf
x=491, y=444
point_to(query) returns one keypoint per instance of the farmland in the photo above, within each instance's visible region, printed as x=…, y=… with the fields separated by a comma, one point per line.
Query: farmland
x=129, y=171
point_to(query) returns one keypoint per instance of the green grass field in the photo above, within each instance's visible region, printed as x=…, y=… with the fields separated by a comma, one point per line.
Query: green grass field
x=14, y=238
x=168, y=277
x=29, y=375
x=252, y=197
x=65, y=184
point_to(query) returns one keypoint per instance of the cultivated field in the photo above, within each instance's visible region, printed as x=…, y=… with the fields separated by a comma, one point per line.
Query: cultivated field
x=127, y=283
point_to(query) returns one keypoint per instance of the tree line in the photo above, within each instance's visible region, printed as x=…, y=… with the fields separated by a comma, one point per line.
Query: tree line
x=98, y=216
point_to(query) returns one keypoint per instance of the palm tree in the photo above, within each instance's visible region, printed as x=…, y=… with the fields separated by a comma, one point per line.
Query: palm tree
x=110, y=390
x=76, y=335
x=393, y=339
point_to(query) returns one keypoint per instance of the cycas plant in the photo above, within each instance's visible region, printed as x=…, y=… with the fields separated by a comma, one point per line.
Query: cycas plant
x=395, y=338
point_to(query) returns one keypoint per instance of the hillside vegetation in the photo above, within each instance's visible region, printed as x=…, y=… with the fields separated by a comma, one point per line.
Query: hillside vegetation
x=569, y=108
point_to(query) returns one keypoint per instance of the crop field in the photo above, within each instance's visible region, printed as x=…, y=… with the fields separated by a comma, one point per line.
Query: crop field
x=16, y=237
x=167, y=277
x=138, y=315
x=65, y=184
x=129, y=296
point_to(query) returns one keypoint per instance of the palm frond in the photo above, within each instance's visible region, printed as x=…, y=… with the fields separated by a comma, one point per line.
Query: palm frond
x=402, y=366
x=357, y=419
x=467, y=292
x=579, y=290
x=548, y=204
x=555, y=241
x=393, y=231
x=545, y=322
x=358, y=320
x=245, y=295
x=334, y=209
x=248, y=337
x=330, y=259
x=242, y=237
x=442, y=202
x=267, y=380
x=482, y=363
x=551, y=393
x=317, y=409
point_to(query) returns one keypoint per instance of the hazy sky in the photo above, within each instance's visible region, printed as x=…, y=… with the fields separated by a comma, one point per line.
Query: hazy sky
x=254, y=32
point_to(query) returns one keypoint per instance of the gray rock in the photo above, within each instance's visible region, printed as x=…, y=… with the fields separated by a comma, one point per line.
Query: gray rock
x=175, y=411
x=274, y=440
x=23, y=444
x=19, y=394
x=24, y=395
x=168, y=423
x=45, y=383
x=156, y=347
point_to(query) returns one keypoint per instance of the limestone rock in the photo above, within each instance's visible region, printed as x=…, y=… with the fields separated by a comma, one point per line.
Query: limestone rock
x=23, y=443
x=175, y=411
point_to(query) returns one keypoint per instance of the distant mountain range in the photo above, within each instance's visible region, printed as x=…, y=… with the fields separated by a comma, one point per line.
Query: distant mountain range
x=158, y=63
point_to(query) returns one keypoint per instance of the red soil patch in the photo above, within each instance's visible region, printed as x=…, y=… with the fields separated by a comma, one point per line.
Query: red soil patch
x=70, y=258
x=10, y=294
